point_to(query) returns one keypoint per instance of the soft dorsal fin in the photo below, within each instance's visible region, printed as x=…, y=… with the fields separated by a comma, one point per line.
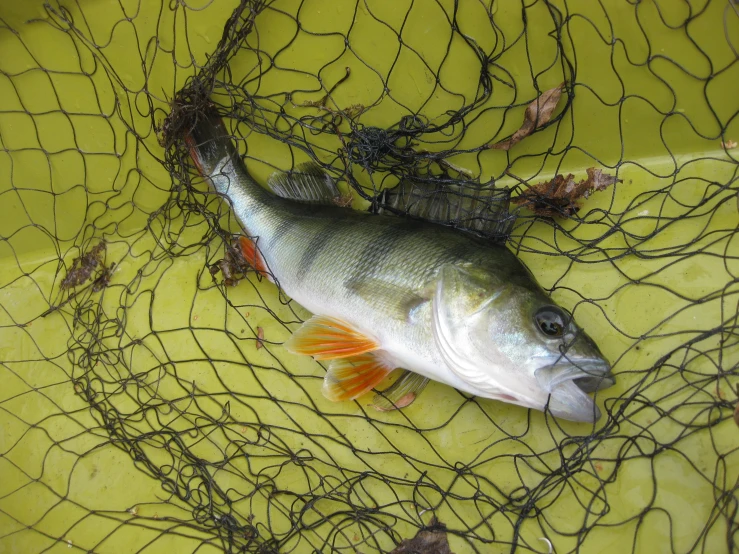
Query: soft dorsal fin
x=464, y=205
x=307, y=183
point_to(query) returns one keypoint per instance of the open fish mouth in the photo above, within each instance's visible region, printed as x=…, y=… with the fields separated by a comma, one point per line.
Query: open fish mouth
x=568, y=383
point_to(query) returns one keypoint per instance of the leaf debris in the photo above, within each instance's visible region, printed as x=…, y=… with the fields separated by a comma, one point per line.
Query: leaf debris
x=260, y=338
x=83, y=266
x=538, y=114
x=80, y=272
x=233, y=265
x=559, y=195
x=729, y=144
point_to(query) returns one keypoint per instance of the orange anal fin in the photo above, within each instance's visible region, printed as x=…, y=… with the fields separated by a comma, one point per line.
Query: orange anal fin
x=326, y=338
x=350, y=378
x=252, y=256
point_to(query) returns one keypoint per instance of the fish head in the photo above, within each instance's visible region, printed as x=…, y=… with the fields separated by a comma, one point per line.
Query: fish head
x=510, y=341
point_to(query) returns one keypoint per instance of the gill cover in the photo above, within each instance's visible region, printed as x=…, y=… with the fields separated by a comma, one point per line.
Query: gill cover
x=464, y=300
x=488, y=339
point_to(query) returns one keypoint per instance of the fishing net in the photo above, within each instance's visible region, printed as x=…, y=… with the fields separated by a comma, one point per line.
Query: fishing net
x=147, y=405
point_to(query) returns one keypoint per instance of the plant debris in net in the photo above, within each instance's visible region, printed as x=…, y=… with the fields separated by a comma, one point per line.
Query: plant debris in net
x=538, y=114
x=84, y=266
x=559, y=195
x=432, y=540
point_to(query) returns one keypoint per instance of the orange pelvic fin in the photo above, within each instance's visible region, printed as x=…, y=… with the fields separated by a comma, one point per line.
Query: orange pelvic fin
x=252, y=256
x=326, y=338
x=350, y=378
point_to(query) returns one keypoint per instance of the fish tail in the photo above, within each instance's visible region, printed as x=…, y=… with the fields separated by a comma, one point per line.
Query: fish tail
x=217, y=159
x=209, y=143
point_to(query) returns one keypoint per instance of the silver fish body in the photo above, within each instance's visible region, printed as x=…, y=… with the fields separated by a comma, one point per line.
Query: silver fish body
x=438, y=302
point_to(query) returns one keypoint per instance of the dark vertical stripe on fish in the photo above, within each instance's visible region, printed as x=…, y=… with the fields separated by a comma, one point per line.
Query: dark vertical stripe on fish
x=380, y=247
x=285, y=227
x=318, y=242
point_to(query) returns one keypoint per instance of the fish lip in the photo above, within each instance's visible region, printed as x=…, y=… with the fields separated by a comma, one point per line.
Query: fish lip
x=568, y=383
x=589, y=374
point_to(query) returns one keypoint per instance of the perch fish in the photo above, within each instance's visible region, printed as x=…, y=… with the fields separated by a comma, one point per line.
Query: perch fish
x=389, y=292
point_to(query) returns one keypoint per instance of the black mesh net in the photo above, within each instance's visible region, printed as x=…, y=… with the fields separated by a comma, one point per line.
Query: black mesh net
x=147, y=405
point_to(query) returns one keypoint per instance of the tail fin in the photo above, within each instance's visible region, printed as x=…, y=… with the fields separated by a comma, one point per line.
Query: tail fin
x=209, y=143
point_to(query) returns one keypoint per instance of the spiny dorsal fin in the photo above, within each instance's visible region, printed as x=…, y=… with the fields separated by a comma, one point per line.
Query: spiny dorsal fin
x=466, y=206
x=307, y=183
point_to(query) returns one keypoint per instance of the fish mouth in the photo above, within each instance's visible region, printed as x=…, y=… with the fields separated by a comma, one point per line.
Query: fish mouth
x=568, y=383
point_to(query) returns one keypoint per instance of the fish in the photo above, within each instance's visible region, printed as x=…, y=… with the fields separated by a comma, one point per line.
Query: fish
x=389, y=293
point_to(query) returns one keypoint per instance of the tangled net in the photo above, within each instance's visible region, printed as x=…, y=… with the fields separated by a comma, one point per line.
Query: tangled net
x=149, y=403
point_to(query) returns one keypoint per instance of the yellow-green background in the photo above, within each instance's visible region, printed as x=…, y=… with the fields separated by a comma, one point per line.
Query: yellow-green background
x=79, y=160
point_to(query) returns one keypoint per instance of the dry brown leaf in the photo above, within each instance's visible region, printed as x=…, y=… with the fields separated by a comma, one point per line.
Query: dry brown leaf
x=426, y=541
x=558, y=196
x=260, y=338
x=233, y=266
x=538, y=113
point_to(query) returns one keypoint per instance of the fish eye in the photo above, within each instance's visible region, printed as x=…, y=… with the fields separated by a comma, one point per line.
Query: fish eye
x=551, y=321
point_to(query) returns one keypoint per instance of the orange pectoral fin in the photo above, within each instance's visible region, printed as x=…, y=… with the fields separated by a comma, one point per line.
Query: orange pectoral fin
x=252, y=256
x=350, y=378
x=326, y=338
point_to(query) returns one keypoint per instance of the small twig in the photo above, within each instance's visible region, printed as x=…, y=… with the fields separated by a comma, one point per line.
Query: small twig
x=52, y=309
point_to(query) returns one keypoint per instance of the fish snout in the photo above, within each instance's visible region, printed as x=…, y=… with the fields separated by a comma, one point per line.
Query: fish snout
x=568, y=383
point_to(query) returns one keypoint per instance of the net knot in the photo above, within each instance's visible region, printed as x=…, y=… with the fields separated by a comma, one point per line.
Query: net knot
x=375, y=148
